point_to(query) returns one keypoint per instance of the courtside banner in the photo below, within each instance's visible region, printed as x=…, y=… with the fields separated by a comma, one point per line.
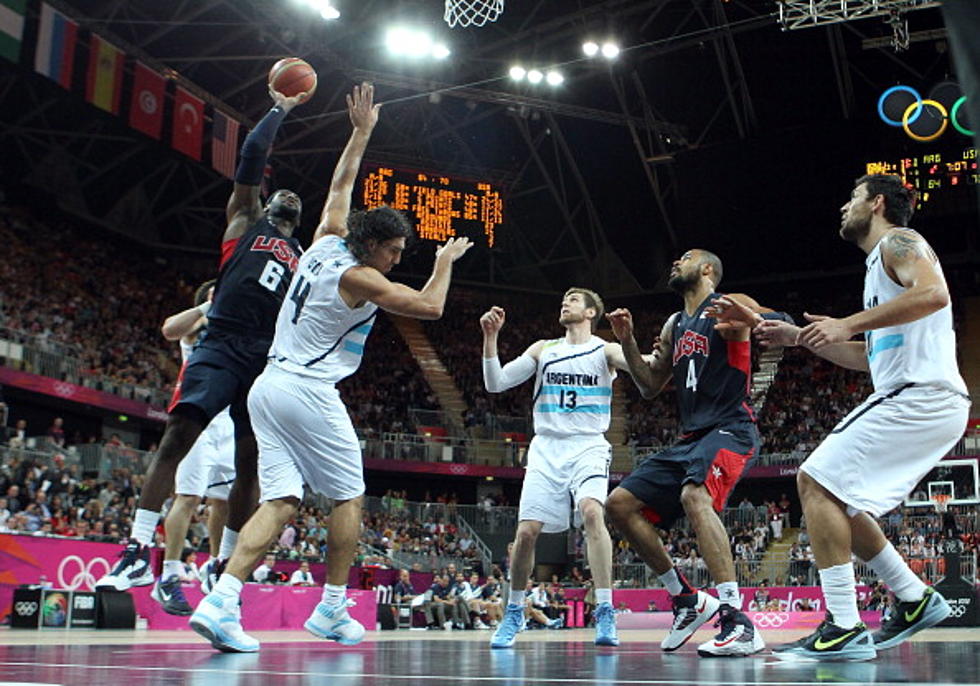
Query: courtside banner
x=56, y=39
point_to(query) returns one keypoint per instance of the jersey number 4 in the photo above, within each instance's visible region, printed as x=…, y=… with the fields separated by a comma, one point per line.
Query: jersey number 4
x=300, y=292
x=692, y=377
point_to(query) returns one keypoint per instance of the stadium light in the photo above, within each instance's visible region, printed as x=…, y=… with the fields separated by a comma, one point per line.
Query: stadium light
x=590, y=48
x=324, y=7
x=555, y=78
x=535, y=76
x=414, y=43
x=517, y=72
x=440, y=51
x=610, y=50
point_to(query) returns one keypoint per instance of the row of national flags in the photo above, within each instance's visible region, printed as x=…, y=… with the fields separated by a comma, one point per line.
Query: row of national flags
x=54, y=57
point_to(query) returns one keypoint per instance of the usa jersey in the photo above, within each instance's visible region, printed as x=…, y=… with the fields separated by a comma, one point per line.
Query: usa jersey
x=317, y=333
x=573, y=389
x=256, y=270
x=711, y=375
x=920, y=352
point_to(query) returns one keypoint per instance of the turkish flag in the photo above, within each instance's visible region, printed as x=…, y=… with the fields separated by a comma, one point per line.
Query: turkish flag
x=188, y=131
x=146, y=107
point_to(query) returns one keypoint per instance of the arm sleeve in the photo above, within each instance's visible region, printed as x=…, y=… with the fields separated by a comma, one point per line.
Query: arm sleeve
x=255, y=149
x=497, y=378
x=778, y=316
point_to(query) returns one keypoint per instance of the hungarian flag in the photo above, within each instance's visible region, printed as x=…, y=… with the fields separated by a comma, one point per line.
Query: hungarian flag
x=224, y=144
x=188, y=130
x=56, y=37
x=11, y=28
x=103, y=88
x=146, y=107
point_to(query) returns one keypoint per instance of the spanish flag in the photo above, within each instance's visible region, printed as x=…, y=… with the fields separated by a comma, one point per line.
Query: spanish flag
x=105, y=74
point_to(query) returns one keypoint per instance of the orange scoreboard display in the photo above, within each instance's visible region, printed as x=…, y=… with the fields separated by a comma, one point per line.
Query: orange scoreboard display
x=440, y=207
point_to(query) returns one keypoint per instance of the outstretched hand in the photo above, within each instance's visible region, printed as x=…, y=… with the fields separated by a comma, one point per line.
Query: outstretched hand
x=492, y=321
x=453, y=249
x=286, y=102
x=363, y=111
x=621, y=320
x=823, y=331
x=731, y=314
x=776, y=334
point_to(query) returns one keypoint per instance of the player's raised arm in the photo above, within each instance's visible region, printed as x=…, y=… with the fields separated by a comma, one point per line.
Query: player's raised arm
x=515, y=372
x=363, y=115
x=651, y=374
x=244, y=205
x=368, y=283
x=185, y=323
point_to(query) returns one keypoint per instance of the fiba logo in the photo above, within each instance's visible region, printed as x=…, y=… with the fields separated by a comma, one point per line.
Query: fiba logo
x=25, y=609
x=75, y=573
x=84, y=602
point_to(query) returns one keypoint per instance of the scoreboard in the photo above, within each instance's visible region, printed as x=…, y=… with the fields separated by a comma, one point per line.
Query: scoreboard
x=944, y=179
x=439, y=206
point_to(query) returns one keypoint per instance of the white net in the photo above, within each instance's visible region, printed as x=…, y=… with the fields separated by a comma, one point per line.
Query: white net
x=472, y=12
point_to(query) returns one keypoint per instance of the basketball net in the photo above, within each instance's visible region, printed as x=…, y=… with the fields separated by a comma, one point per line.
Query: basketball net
x=941, y=502
x=472, y=12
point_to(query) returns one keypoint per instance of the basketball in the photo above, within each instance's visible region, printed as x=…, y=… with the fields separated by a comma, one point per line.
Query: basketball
x=292, y=76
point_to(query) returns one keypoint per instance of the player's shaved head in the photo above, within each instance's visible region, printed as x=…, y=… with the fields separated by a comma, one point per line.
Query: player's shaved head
x=709, y=258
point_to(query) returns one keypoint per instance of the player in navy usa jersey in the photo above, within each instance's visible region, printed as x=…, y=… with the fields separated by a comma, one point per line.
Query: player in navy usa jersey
x=258, y=257
x=711, y=369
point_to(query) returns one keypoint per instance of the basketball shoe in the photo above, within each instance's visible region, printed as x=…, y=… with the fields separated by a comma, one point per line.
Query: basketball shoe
x=218, y=618
x=909, y=618
x=335, y=624
x=691, y=610
x=605, y=625
x=738, y=637
x=210, y=573
x=831, y=643
x=511, y=625
x=170, y=595
x=132, y=570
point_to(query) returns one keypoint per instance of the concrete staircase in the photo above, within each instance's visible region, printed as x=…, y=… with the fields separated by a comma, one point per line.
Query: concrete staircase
x=616, y=435
x=435, y=373
x=969, y=345
x=775, y=563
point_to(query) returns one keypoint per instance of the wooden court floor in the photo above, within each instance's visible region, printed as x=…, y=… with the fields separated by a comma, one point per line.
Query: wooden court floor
x=131, y=658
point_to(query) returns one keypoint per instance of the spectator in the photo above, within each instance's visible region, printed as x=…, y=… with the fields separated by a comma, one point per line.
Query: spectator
x=438, y=604
x=302, y=576
x=404, y=591
x=263, y=572
x=56, y=433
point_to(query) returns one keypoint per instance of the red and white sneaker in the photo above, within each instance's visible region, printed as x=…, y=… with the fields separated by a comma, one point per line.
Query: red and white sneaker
x=691, y=610
x=738, y=636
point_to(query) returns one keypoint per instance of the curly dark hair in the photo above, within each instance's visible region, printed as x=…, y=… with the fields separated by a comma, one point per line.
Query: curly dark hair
x=899, y=198
x=379, y=225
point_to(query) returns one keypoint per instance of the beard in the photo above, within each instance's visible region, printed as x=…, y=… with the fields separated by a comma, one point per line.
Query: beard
x=285, y=212
x=566, y=319
x=681, y=284
x=856, y=230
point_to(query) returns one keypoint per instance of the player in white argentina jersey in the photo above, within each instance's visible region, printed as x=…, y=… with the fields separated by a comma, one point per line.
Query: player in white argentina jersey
x=568, y=457
x=207, y=471
x=304, y=433
x=882, y=449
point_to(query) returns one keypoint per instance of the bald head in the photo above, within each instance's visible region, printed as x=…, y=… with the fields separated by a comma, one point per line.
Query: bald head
x=706, y=257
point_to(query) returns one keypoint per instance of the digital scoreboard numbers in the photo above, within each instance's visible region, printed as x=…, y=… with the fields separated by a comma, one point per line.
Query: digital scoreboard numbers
x=937, y=176
x=439, y=206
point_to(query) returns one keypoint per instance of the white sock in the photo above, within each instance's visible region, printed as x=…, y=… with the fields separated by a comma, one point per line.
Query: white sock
x=228, y=586
x=516, y=598
x=671, y=582
x=603, y=595
x=172, y=568
x=889, y=565
x=838, y=590
x=728, y=594
x=334, y=595
x=228, y=540
x=144, y=524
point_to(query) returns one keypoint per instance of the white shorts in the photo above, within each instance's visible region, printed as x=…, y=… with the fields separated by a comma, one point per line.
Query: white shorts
x=305, y=436
x=878, y=453
x=208, y=469
x=562, y=472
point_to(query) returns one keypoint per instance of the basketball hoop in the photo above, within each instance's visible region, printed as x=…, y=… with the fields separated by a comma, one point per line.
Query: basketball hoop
x=941, y=501
x=472, y=12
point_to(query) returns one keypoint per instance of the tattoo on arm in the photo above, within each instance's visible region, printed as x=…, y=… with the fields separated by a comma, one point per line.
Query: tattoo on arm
x=908, y=246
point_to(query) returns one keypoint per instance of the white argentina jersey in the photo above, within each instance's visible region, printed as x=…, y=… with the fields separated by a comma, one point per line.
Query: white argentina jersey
x=317, y=333
x=573, y=389
x=922, y=352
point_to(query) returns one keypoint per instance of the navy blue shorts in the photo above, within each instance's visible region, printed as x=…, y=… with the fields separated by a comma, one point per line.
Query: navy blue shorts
x=715, y=457
x=219, y=374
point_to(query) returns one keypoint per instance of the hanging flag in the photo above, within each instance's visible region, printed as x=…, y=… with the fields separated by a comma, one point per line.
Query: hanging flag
x=56, y=36
x=224, y=144
x=103, y=87
x=188, y=124
x=11, y=28
x=146, y=106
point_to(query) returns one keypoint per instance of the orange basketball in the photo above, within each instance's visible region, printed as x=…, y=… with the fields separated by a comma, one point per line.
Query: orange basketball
x=292, y=76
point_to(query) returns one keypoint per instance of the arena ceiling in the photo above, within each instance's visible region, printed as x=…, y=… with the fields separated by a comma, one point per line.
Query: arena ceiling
x=714, y=127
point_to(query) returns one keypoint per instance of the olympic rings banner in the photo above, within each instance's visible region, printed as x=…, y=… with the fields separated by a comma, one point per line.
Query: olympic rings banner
x=925, y=119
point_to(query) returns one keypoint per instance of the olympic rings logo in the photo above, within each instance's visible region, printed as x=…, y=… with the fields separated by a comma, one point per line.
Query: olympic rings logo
x=770, y=620
x=25, y=609
x=85, y=576
x=958, y=610
x=913, y=111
